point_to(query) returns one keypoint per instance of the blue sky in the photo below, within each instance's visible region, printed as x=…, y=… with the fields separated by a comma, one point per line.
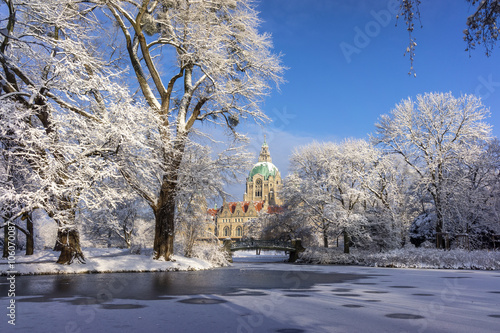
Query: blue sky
x=330, y=96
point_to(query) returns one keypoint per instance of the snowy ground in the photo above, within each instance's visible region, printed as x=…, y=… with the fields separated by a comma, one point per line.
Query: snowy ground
x=384, y=300
x=117, y=260
x=97, y=261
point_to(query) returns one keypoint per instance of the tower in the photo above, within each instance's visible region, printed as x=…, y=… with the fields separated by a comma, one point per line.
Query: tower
x=264, y=180
x=263, y=186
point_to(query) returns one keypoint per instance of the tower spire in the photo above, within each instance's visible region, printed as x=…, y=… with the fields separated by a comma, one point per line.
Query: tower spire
x=265, y=156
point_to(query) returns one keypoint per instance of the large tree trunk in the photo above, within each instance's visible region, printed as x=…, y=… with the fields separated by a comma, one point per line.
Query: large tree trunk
x=347, y=241
x=440, y=244
x=68, y=242
x=30, y=242
x=163, y=247
x=5, y=241
x=68, y=237
x=325, y=234
x=165, y=229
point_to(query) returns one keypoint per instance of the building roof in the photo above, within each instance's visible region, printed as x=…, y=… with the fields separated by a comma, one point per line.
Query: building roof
x=266, y=169
x=212, y=211
x=245, y=205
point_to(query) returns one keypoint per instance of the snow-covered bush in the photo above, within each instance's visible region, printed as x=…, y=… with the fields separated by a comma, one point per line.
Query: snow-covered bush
x=325, y=256
x=211, y=252
x=407, y=257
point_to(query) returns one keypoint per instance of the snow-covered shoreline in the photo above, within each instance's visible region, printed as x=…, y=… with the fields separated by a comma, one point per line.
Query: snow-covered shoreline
x=110, y=260
x=115, y=260
x=406, y=258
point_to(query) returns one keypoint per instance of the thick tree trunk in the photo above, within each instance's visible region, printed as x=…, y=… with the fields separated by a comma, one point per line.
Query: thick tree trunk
x=325, y=239
x=165, y=228
x=325, y=232
x=163, y=247
x=68, y=237
x=5, y=242
x=440, y=243
x=30, y=242
x=347, y=240
x=68, y=242
x=58, y=245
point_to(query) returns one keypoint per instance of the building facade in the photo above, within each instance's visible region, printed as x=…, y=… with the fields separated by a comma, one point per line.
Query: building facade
x=263, y=187
x=264, y=181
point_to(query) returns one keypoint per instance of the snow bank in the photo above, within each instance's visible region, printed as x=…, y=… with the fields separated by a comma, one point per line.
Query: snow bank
x=407, y=258
x=99, y=261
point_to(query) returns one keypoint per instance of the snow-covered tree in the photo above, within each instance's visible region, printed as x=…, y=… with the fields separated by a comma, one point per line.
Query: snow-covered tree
x=202, y=178
x=58, y=101
x=435, y=134
x=395, y=200
x=473, y=208
x=19, y=187
x=193, y=61
x=287, y=223
x=114, y=223
x=329, y=178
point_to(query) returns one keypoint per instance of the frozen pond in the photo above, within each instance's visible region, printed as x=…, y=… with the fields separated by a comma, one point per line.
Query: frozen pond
x=257, y=296
x=154, y=286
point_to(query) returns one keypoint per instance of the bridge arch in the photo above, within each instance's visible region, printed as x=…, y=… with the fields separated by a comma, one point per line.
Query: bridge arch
x=294, y=247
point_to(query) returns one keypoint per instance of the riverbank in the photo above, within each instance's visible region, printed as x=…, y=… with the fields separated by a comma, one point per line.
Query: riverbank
x=97, y=261
x=410, y=257
x=114, y=260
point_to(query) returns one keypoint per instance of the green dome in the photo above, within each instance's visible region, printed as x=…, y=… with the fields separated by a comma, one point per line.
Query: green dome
x=265, y=169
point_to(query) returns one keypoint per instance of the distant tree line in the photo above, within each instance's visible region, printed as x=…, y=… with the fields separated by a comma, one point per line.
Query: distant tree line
x=431, y=172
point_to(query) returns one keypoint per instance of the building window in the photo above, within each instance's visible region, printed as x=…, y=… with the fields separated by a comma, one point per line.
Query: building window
x=226, y=231
x=258, y=188
x=238, y=231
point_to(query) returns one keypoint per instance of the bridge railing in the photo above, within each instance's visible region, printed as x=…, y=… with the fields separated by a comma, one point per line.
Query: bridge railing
x=294, y=247
x=261, y=243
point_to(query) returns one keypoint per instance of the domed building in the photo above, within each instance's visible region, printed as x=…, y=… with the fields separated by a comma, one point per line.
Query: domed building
x=264, y=180
x=263, y=187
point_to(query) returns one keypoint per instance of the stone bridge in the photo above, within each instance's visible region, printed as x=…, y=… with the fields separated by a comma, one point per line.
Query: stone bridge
x=293, y=247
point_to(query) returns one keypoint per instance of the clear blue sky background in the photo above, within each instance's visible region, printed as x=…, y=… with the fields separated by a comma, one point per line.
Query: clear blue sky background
x=328, y=98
